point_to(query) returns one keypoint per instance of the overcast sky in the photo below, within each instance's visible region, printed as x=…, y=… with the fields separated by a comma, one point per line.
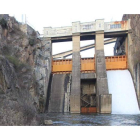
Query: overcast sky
x=57, y=13
x=66, y=20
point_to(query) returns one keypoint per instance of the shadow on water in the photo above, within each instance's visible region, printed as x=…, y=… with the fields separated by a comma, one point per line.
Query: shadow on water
x=66, y=119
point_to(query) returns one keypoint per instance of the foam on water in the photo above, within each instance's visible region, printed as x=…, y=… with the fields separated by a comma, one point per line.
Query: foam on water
x=121, y=87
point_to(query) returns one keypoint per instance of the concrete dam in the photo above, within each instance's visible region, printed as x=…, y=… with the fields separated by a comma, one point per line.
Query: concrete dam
x=124, y=100
x=89, y=85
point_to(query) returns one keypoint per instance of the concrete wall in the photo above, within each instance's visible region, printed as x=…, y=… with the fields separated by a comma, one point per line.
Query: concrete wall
x=28, y=30
x=88, y=87
x=88, y=76
x=59, y=96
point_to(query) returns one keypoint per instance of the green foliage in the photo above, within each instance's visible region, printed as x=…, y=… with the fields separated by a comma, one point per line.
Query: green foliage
x=6, y=50
x=3, y=23
x=13, y=60
x=31, y=41
x=18, y=65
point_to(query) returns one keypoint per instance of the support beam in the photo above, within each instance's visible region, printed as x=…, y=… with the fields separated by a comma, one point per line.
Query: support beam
x=84, y=48
x=76, y=76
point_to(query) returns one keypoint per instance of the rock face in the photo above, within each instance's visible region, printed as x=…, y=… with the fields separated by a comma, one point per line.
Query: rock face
x=133, y=49
x=25, y=68
x=43, y=68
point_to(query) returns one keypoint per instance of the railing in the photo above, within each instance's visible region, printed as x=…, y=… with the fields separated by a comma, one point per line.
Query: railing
x=88, y=64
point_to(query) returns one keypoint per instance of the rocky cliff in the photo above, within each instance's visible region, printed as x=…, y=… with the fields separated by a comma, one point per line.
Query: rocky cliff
x=21, y=72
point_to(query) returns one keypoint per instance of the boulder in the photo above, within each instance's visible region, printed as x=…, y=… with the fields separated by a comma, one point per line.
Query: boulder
x=48, y=122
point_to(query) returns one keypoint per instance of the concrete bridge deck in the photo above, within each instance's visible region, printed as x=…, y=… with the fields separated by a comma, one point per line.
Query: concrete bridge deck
x=87, y=31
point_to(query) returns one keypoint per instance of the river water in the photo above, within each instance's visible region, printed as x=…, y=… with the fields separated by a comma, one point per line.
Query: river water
x=61, y=119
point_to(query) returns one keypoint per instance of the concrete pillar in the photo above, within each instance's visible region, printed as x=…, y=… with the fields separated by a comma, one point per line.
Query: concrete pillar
x=103, y=103
x=75, y=106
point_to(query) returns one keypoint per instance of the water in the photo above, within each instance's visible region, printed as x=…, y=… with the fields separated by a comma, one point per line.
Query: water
x=60, y=119
x=121, y=87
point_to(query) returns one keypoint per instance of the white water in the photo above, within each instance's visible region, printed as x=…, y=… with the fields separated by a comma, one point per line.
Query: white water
x=121, y=87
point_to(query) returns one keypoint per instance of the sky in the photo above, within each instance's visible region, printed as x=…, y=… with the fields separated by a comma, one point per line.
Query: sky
x=65, y=21
x=57, y=13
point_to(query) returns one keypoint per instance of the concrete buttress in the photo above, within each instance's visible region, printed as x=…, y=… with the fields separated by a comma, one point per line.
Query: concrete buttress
x=76, y=76
x=103, y=96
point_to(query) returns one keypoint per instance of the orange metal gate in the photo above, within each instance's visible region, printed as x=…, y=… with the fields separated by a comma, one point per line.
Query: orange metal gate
x=88, y=64
x=116, y=62
x=62, y=66
x=88, y=109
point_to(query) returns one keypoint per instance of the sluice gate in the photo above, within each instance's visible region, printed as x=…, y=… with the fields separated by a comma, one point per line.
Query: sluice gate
x=88, y=64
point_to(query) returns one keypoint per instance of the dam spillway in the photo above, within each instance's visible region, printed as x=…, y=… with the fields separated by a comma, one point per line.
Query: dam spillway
x=124, y=100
